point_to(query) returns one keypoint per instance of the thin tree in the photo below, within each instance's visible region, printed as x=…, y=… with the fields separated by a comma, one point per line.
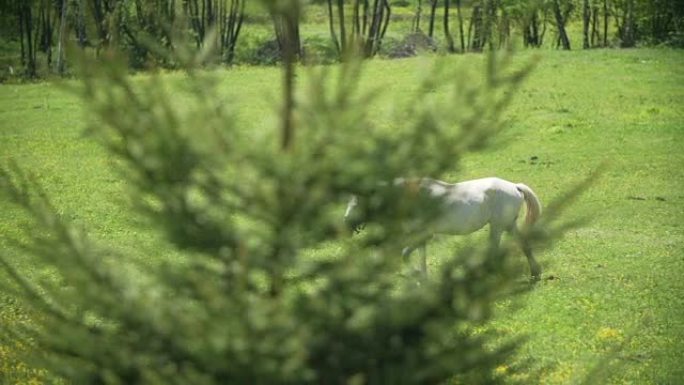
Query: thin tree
x=595, y=34
x=368, y=25
x=533, y=23
x=461, y=34
x=379, y=21
x=103, y=12
x=80, y=29
x=342, y=27
x=331, y=26
x=433, y=12
x=586, y=22
x=418, y=16
x=60, y=66
x=477, y=29
x=605, y=22
x=627, y=25
x=231, y=18
x=503, y=25
x=561, y=19
x=447, y=32
x=286, y=16
x=45, y=29
x=202, y=17
x=27, y=38
x=286, y=28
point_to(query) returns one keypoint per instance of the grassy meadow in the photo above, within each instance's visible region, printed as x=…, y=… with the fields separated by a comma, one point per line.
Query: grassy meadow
x=612, y=293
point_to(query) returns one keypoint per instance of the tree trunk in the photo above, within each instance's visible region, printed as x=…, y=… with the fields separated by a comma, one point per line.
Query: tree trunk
x=594, y=34
x=419, y=15
x=60, y=43
x=586, y=19
x=560, y=24
x=22, y=34
x=605, y=23
x=366, y=7
x=236, y=16
x=628, y=33
x=286, y=26
x=490, y=21
x=504, y=28
x=356, y=19
x=100, y=22
x=47, y=30
x=192, y=11
x=379, y=21
x=433, y=11
x=531, y=34
x=343, y=28
x=81, y=31
x=447, y=33
x=459, y=13
x=368, y=25
x=477, y=28
x=331, y=26
x=28, y=41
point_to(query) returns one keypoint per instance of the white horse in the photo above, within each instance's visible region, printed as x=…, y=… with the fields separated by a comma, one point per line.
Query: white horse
x=466, y=207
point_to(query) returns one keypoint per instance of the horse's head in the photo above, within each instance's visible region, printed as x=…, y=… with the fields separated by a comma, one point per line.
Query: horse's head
x=354, y=216
x=377, y=203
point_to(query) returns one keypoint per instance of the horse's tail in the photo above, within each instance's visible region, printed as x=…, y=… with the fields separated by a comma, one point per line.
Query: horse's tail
x=534, y=207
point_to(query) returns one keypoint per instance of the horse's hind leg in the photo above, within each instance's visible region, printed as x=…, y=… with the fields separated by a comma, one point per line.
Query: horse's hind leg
x=423, y=259
x=535, y=268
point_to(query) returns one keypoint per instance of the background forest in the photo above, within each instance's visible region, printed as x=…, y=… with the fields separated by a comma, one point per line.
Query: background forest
x=35, y=32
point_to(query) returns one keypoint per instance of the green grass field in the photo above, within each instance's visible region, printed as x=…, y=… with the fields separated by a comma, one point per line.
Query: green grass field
x=612, y=295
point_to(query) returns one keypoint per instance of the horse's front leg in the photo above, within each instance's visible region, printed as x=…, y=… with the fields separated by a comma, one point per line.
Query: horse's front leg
x=406, y=254
x=494, y=237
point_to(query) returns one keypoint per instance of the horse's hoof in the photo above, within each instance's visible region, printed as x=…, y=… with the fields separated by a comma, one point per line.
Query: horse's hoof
x=536, y=273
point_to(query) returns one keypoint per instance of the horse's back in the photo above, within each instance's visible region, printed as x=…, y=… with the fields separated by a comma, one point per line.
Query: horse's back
x=504, y=200
x=490, y=183
x=475, y=203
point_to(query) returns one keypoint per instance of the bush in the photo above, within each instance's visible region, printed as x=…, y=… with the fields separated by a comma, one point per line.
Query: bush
x=267, y=53
x=319, y=50
x=410, y=45
x=401, y=3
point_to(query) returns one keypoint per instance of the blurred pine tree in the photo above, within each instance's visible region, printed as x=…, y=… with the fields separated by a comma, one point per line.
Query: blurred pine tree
x=247, y=307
